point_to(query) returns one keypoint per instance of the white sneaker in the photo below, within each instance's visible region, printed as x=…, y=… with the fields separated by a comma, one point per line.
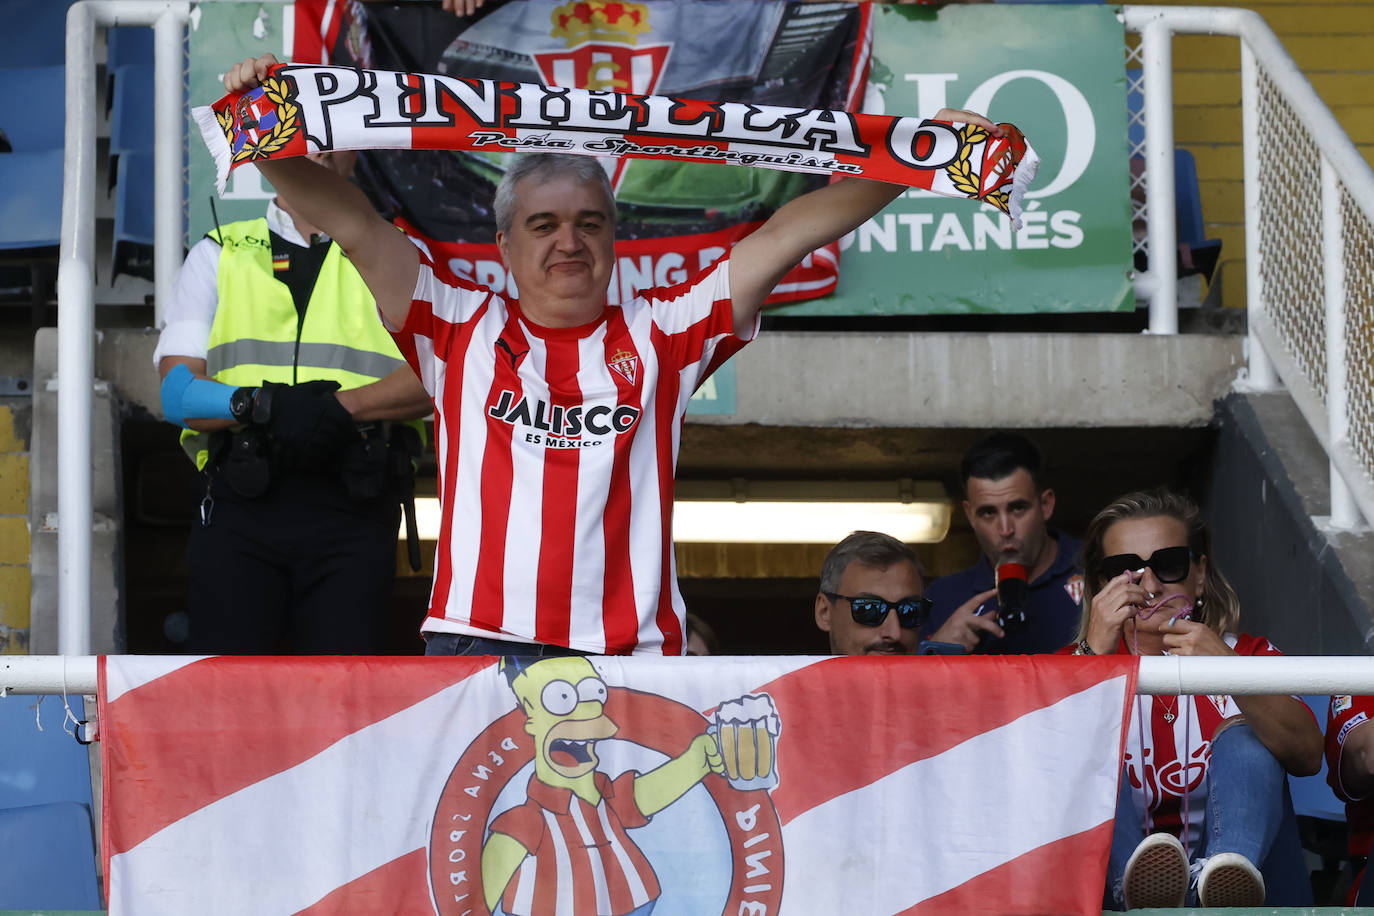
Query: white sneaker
x=1156, y=875
x=1230, y=879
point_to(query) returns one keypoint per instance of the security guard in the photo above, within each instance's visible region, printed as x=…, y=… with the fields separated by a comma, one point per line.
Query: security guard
x=294, y=545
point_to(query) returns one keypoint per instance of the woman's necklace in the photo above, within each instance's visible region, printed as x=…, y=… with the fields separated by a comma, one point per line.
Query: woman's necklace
x=1169, y=716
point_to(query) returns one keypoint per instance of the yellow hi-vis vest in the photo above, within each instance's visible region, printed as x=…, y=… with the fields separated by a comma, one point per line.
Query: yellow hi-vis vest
x=258, y=336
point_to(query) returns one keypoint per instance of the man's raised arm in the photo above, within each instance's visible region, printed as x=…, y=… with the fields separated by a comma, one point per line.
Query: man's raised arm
x=384, y=257
x=806, y=223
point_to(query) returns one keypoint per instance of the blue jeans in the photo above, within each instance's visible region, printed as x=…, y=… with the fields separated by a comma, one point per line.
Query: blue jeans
x=461, y=644
x=1249, y=811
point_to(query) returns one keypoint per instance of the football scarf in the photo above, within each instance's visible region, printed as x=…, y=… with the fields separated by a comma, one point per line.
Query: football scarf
x=308, y=108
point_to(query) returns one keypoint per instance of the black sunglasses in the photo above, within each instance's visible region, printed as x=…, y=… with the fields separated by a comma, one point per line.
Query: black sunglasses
x=1170, y=564
x=870, y=612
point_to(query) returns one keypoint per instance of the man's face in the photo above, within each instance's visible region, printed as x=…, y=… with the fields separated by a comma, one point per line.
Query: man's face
x=1008, y=518
x=893, y=583
x=560, y=247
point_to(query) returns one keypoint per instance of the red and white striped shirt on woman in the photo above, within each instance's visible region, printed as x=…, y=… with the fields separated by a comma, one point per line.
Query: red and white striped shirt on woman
x=557, y=449
x=1176, y=734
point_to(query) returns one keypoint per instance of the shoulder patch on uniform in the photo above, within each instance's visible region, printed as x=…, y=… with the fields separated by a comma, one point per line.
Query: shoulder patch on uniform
x=1340, y=705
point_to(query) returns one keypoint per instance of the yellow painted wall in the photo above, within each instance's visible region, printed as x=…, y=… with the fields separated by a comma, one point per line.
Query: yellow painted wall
x=14, y=538
x=1329, y=39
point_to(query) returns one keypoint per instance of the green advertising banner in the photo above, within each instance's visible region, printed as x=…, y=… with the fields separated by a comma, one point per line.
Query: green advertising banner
x=1058, y=73
x=222, y=34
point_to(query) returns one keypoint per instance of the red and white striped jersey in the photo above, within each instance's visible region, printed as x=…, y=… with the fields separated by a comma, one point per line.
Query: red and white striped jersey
x=557, y=449
x=1177, y=750
x=580, y=859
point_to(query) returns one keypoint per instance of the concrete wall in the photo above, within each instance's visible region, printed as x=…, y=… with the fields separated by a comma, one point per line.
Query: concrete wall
x=114, y=357
x=1307, y=588
x=15, y=421
x=980, y=381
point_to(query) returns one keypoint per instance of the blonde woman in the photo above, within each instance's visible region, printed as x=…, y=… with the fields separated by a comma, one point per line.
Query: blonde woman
x=1204, y=795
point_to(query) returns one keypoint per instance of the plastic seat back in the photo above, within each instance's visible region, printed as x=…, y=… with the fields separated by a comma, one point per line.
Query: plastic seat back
x=47, y=858
x=33, y=107
x=30, y=200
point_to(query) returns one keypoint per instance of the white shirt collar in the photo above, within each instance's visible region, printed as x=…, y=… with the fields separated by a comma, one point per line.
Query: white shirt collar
x=280, y=222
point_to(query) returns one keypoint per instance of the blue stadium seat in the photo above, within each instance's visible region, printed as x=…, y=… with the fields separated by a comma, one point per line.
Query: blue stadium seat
x=35, y=34
x=47, y=842
x=30, y=199
x=1197, y=253
x=133, y=228
x=129, y=45
x=47, y=858
x=38, y=768
x=131, y=114
x=33, y=108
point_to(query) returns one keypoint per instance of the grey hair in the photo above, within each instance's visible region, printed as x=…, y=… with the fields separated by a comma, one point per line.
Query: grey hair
x=871, y=548
x=545, y=167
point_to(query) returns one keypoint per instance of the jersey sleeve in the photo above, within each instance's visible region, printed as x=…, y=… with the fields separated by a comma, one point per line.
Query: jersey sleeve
x=523, y=823
x=438, y=311
x=1344, y=715
x=620, y=798
x=1254, y=646
x=697, y=320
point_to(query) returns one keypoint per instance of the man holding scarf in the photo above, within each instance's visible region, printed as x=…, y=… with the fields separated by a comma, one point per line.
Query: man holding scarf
x=558, y=416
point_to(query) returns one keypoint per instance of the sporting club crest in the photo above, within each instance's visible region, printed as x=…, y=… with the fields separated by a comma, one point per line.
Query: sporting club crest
x=262, y=121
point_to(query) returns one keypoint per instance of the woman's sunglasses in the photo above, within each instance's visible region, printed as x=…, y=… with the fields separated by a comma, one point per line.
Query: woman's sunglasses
x=1170, y=564
x=869, y=612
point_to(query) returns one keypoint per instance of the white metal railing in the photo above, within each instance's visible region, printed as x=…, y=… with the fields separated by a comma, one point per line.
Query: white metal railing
x=1306, y=231
x=1309, y=238
x=76, y=269
x=1248, y=676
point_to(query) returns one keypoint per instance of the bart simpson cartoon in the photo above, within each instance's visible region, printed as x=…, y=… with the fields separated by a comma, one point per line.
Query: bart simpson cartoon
x=568, y=842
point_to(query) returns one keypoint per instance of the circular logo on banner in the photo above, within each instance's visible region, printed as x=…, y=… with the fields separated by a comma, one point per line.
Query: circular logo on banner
x=573, y=765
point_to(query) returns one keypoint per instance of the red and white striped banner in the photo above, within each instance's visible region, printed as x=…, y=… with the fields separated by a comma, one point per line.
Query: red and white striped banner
x=357, y=785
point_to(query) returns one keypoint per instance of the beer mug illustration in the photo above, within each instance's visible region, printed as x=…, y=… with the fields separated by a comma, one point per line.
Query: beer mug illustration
x=746, y=731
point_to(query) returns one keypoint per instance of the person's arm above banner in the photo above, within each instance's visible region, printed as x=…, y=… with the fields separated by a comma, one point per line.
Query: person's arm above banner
x=298, y=109
x=385, y=258
x=806, y=223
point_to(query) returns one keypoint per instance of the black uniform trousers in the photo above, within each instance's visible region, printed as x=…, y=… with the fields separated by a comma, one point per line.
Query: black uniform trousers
x=302, y=569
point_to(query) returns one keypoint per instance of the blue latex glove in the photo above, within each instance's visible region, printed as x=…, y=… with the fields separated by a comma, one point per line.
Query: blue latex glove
x=184, y=395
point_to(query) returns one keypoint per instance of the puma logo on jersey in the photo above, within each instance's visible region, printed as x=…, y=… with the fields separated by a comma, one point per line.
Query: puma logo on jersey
x=557, y=420
x=514, y=357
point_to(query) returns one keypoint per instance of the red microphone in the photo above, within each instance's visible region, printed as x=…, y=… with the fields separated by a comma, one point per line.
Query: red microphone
x=1012, y=589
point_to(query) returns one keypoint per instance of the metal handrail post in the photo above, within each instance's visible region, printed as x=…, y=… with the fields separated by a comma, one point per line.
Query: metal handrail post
x=1157, y=62
x=1345, y=514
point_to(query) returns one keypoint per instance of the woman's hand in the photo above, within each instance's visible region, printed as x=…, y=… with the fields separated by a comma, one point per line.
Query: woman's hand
x=250, y=73
x=1188, y=637
x=1118, y=602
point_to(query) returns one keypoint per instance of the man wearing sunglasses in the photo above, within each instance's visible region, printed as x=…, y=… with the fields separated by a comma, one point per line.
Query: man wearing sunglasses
x=1009, y=507
x=871, y=598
